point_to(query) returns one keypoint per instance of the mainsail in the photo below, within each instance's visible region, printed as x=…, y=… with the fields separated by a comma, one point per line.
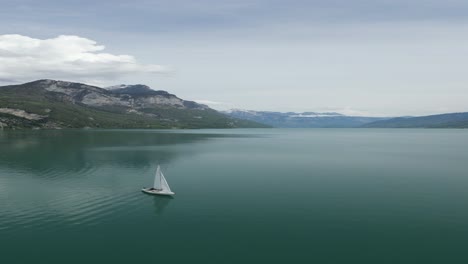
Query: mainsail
x=160, y=182
x=157, y=179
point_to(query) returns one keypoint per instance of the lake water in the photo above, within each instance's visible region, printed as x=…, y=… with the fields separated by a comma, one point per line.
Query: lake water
x=242, y=196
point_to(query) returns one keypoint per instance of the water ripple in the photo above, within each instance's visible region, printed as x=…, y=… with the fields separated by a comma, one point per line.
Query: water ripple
x=64, y=200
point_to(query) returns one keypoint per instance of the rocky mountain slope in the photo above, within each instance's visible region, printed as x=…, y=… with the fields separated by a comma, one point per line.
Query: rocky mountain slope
x=303, y=120
x=59, y=104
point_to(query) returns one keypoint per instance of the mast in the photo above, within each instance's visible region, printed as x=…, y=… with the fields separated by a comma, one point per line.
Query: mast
x=160, y=177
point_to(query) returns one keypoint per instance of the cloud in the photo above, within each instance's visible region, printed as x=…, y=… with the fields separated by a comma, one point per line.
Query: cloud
x=215, y=104
x=349, y=111
x=67, y=57
x=210, y=102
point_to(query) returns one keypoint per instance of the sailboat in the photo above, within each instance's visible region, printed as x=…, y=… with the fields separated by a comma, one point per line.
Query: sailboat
x=160, y=186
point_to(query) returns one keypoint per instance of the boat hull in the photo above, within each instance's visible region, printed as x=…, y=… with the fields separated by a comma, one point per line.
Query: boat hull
x=156, y=192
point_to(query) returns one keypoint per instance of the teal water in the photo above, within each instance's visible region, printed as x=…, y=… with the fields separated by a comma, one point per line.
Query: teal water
x=242, y=196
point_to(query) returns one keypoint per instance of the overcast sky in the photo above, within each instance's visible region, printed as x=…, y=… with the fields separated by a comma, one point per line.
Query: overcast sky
x=369, y=57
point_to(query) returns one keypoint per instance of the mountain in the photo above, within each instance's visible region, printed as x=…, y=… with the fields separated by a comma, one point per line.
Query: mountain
x=302, y=120
x=452, y=120
x=59, y=104
x=136, y=89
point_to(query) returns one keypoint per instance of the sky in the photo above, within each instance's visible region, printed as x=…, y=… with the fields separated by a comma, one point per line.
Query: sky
x=357, y=57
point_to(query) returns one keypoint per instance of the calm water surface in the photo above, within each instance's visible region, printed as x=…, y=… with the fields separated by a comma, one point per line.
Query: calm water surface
x=242, y=196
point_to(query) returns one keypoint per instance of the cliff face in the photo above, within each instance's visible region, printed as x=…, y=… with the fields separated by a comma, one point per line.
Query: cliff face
x=59, y=104
x=132, y=96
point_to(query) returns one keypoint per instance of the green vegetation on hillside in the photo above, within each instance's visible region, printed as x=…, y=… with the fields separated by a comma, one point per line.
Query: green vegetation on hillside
x=60, y=113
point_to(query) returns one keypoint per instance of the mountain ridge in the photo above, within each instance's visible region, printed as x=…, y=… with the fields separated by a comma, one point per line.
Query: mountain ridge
x=302, y=119
x=448, y=120
x=60, y=104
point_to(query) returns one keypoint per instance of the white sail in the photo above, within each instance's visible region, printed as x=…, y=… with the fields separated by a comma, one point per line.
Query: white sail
x=164, y=185
x=157, y=179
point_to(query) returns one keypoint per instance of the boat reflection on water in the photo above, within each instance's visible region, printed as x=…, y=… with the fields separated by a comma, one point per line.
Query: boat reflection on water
x=160, y=203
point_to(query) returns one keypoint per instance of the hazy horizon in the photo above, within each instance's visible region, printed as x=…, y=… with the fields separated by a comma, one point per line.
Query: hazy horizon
x=374, y=58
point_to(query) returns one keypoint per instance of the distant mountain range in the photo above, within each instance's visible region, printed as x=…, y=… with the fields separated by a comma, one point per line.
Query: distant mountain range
x=303, y=120
x=59, y=104
x=453, y=120
x=336, y=120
